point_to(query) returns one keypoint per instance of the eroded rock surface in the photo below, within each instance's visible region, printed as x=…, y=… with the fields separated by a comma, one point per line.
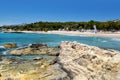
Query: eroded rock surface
x=84, y=62
x=17, y=69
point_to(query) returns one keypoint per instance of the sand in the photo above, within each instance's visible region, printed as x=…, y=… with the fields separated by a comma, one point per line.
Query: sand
x=77, y=33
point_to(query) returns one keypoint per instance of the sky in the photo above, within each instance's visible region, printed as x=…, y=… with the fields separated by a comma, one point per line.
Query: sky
x=27, y=11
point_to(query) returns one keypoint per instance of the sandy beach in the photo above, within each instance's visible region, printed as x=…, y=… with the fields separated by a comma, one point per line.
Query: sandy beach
x=77, y=33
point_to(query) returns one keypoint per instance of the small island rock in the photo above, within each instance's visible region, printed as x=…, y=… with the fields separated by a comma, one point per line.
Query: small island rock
x=10, y=45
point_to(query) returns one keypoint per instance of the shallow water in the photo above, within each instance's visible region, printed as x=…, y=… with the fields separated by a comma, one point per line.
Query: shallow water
x=30, y=57
x=23, y=39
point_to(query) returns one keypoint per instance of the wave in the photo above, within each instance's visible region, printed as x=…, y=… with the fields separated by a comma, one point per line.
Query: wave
x=29, y=44
x=2, y=47
x=2, y=32
x=4, y=53
x=104, y=41
x=115, y=39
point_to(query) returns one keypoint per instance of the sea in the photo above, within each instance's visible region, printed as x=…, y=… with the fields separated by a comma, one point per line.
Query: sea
x=24, y=39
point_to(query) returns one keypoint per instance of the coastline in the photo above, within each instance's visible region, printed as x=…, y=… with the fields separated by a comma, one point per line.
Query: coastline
x=76, y=33
x=95, y=61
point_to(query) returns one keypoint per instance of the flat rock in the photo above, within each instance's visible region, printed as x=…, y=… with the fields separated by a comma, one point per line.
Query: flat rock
x=35, y=49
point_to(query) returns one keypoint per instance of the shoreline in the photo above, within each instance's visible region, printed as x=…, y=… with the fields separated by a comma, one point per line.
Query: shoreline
x=76, y=33
x=80, y=59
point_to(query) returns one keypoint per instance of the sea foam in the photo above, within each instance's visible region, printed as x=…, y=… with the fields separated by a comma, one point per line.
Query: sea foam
x=2, y=47
x=115, y=39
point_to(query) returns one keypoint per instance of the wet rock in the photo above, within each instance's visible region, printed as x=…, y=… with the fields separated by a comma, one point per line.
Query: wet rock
x=10, y=45
x=57, y=47
x=0, y=75
x=53, y=61
x=37, y=45
x=85, y=62
x=0, y=58
x=38, y=58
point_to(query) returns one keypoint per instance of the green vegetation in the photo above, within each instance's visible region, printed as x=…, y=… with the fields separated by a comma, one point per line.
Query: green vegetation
x=71, y=26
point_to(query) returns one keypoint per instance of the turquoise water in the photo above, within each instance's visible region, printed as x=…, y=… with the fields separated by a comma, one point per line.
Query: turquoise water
x=23, y=39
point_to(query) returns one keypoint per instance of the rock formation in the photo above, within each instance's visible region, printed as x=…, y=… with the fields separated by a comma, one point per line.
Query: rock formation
x=10, y=45
x=32, y=67
x=35, y=49
x=83, y=62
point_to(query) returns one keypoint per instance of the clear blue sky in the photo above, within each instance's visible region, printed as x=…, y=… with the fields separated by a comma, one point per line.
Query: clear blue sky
x=26, y=11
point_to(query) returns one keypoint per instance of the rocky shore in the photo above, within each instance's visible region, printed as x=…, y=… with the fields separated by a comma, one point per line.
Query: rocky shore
x=70, y=61
x=35, y=62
